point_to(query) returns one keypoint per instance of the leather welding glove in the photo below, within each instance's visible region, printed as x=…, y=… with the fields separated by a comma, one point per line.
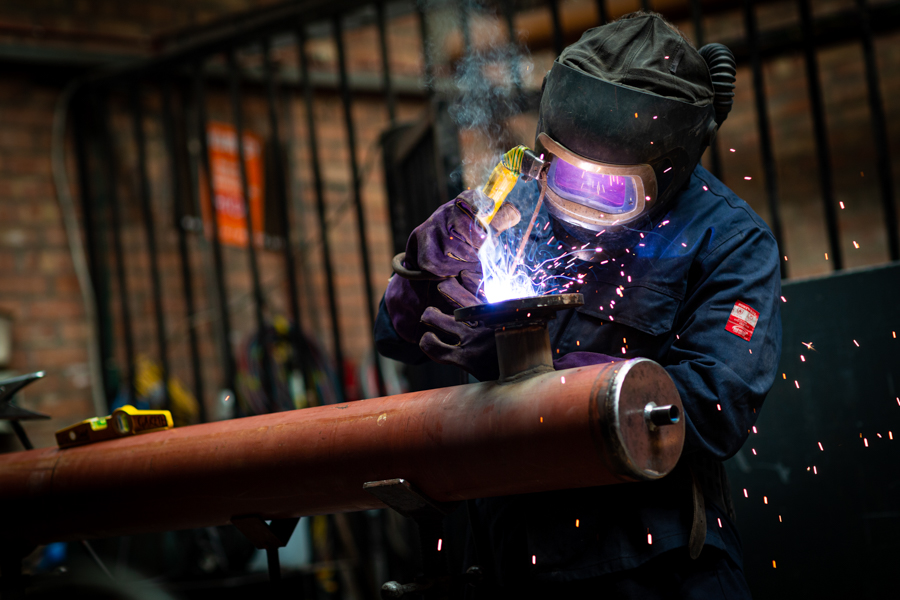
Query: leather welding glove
x=469, y=345
x=445, y=246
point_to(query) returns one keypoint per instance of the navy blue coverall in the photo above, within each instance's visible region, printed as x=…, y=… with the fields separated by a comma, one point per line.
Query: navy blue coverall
x=708, y=252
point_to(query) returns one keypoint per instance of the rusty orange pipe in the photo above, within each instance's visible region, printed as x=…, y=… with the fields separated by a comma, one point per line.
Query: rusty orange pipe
x=564, y=429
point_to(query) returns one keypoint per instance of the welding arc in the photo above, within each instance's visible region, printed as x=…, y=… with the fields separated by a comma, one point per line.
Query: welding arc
x=527, y=235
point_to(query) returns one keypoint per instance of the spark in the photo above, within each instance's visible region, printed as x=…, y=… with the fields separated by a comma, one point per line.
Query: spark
x=747, y=178
x=683, y=244
x=890, y=435
x=809, y=346
x=563, y=378
x=649, y=539
x=815, y=472
x=754, y=429
x=745, y=493
x=866, y=442
x=732, y=149
x=894, y=333
x=784, y=375
x=440, y=543
x=533, y=559
x=779, y=519
x=765, y=499
x=577, y=342
x=654, y=117
x=227, y=398
x=802, y=358
x=826, y=256
x=783, y=299
x=842, y=205
x=542, y=419
x=754, y=451
x=797, y=384
x=785, y=259
x=719, y=519
x=879, y=436
x=820, y=447
x=773, y=565
x=576, y=522
x=857, y=343
x=623, y=349
x=667, y=170
x=635, y=115
x=667, y=58
x=855, y=245
x=705, y=189
x=719, y=406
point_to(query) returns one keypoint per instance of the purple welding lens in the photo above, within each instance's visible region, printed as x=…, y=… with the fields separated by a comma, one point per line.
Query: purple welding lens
x=612, y=194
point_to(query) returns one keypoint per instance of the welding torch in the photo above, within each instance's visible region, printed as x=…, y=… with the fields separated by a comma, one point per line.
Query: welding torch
x=520, y=162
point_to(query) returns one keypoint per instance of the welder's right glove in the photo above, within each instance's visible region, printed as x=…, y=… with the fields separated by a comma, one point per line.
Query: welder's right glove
x=442, y=248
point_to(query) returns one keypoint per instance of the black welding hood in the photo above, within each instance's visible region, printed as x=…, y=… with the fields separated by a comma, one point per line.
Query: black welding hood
x=626, y=112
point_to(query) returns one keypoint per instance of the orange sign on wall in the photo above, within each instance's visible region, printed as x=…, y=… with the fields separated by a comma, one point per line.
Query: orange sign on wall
x=223, y=160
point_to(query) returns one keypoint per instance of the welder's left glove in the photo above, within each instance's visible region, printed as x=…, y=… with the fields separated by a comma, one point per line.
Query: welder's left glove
x=469, y=346
x=582, y=359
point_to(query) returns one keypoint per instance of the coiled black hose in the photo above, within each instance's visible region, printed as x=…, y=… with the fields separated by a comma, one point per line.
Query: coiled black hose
x=722, y=68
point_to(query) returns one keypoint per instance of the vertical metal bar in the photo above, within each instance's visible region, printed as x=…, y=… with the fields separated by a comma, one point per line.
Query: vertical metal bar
x=218, y=269
x=281, y=197
x=821, y=134
x=109, y=156
x=95, y=255
x=386, y=63
x=557, y=27
x=180, y=200
x=234, y=85
x=602, y=13
x=697, y=22
x=357, y=191
x=427, y=66
x=320, y=209
x=764, y=129
x=715, y=158
x=464, y=10
x=137, y=121
x=509, y=13
x=879, y=130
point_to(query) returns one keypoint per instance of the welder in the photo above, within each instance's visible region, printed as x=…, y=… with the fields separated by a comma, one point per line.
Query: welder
x=688, y=276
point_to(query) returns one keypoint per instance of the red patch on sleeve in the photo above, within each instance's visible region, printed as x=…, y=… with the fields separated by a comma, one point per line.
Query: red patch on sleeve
x=742, y=321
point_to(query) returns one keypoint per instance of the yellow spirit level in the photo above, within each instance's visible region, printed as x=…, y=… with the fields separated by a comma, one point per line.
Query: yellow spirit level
x=123, y=422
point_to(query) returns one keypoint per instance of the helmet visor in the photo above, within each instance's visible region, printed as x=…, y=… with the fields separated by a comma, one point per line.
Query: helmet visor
x=610, y=194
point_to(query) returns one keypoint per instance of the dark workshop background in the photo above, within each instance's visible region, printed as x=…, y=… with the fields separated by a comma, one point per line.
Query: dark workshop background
x=110, y=283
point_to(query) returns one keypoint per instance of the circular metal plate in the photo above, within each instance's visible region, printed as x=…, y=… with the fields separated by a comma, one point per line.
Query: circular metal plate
x=519, y=310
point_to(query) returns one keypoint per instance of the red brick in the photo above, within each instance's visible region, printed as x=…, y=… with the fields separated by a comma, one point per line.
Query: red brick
x=55, y=309
x=47, y=358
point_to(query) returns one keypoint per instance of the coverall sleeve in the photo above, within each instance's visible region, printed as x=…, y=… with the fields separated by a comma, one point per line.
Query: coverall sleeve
x=721, y=377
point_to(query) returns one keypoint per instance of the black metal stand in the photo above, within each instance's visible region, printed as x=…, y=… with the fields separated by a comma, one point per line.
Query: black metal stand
x=434, y=583
x=269, y=537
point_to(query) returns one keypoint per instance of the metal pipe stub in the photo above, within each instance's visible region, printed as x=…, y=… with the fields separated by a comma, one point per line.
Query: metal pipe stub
x=520, y=330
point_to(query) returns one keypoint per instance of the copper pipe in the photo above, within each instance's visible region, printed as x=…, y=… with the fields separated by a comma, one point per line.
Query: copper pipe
x=476, y=440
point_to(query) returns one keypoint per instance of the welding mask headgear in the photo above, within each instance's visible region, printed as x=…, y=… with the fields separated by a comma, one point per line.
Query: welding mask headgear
x=625, y=114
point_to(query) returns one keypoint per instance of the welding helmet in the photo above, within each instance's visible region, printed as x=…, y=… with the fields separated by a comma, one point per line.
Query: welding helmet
x=625, y=114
